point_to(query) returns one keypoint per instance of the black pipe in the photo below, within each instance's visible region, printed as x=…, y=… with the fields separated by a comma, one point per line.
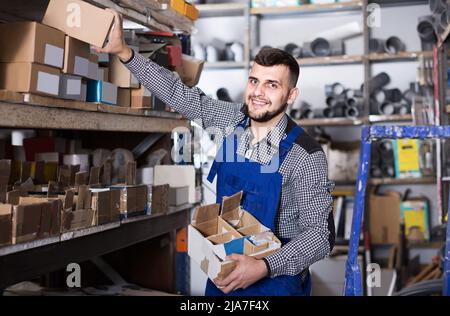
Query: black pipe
x=385, y=147
x=425, y=28
x=334, y=89
x=293, y=49
x=328, y=112
x=378, y=81
x=376, y=45
x=393, y=95
x=386, y=108
x=338, y=100
x=394, y=45
x=223, y=95
x=295, y=114
x=339, y=110
x=356, y=101
x=351, y=112
x=322, y=47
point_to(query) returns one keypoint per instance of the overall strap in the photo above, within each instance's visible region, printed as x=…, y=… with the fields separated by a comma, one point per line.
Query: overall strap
x=287, y=143
x=216, y=165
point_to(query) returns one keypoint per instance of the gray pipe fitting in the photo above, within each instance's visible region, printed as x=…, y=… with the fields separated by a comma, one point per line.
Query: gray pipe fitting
x=394, y=45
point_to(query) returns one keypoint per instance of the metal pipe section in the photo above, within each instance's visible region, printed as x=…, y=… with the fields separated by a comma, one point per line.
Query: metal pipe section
x=321, y=47
x=379, y=81
x=334, y=89
x=393, y=95
x=293, y=49
x=386, y=108
x=394, y=45
x=351, y=112
x=376, y=45
x=425, y=28
x=224, y=95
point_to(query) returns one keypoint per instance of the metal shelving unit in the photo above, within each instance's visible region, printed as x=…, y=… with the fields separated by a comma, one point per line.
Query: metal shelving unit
x=32, y=111
x=29, y=260
x=229, y=10
x=308, y=8
x=51, y=254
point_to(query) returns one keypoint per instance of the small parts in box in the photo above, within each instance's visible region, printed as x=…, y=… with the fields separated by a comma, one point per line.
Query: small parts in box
x=212, y=237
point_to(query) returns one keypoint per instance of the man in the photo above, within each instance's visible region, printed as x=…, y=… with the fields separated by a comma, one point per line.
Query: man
x=281, y=170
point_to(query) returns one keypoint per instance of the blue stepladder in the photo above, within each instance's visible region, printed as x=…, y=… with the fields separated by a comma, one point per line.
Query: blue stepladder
x=353, y=277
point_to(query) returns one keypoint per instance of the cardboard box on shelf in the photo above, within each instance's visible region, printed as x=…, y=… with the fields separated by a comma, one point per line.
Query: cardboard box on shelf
x=81, y=219
x=26, y=222
x=106, y=205
x=120, y=75
x=124, y=97
x=211, y=237
x=67, y=210
x=76, y=57
x=78, y=19
x=30, y=77
x=133, y=200
x=70, y=87
x=141, y=98
x=83, y=216
x=31, y=42
x=50, y=214
x=190, y=70
x=5, y=224
x=101, y=92
x=384, y=217
x=160, y=199
x=178, y=195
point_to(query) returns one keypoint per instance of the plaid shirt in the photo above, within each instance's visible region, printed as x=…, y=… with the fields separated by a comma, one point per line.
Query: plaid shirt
x=305, y=210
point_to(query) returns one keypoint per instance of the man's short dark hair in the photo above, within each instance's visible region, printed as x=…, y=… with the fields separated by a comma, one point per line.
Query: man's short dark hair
x=269, y=56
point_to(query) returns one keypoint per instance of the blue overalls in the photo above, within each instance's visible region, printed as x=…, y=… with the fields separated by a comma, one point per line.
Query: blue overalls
x=261, y=197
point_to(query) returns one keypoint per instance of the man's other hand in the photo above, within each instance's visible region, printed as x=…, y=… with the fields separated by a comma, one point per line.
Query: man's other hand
x=248, y=270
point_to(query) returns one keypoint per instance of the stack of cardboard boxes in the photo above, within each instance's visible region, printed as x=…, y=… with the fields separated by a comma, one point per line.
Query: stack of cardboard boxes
x=55, y=58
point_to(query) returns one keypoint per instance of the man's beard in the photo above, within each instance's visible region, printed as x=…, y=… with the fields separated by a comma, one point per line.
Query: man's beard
x=267, y=116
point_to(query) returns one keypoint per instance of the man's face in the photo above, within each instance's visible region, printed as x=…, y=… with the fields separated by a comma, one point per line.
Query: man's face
x=268, y=92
